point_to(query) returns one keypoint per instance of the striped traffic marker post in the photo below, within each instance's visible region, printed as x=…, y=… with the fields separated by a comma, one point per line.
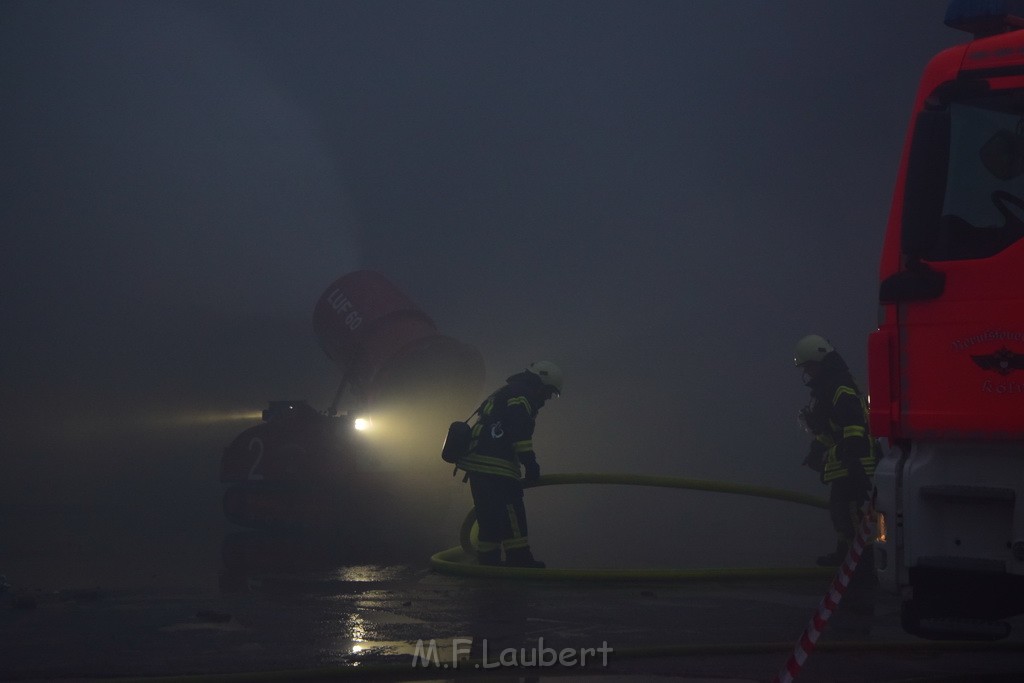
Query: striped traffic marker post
x=809, y=638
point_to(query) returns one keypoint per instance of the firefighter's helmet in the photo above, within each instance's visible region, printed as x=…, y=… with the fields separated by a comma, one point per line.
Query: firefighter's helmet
x=811, y=349
x=549, y=374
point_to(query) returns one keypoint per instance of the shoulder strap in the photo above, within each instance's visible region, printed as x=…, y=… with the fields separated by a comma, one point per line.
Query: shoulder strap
x=479, y=408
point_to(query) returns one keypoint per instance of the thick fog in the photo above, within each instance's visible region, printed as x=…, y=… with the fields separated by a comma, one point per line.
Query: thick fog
x=661, y=197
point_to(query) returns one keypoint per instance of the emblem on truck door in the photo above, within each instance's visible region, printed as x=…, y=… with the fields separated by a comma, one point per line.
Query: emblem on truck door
x=1003, y=361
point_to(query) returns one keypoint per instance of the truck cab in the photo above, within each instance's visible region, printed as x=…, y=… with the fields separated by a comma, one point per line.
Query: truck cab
x=946, y=364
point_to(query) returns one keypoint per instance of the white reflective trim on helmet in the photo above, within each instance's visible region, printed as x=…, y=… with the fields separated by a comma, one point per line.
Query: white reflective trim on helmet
x=811, y=349
x=549, y=373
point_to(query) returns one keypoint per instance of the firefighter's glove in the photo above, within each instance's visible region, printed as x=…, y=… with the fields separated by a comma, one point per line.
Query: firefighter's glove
x=530, y=466
x=816, y=456
x=811, y=422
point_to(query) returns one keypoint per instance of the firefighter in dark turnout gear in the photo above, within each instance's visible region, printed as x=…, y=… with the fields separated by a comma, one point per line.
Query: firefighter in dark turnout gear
x=502, y=442
x=842, y=452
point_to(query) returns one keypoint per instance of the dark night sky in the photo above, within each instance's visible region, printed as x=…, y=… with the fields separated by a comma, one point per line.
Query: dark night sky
x=662, y=197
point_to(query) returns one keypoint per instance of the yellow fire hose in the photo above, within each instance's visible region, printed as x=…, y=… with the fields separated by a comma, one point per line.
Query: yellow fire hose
x=460, y=560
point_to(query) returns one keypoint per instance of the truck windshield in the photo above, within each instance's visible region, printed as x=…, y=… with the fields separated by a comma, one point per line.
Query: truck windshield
x=983, y=211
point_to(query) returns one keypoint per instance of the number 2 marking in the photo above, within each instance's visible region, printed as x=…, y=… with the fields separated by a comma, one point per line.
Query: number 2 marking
x=256, y=448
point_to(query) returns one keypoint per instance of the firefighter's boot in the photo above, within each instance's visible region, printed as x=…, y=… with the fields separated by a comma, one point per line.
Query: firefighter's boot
x=522, y=557
x=490, y=558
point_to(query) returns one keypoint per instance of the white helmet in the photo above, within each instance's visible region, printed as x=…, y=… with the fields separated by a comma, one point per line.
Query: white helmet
x=549, y=374
x=811, y=349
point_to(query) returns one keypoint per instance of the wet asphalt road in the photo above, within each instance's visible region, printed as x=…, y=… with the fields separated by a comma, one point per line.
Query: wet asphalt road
x=377, y=621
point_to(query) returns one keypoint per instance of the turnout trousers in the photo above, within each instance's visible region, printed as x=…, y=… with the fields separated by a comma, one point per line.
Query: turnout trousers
x=500, y=512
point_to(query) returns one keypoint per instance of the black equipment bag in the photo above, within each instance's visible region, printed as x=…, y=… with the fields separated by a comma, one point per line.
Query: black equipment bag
x=460, y=434
x=456, y=444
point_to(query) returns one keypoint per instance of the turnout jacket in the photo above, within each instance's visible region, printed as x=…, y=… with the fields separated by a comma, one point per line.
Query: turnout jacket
x=502, y=438
x=838, y=418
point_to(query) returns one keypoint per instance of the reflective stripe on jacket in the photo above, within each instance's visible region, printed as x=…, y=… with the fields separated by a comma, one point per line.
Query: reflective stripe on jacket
x=848, y=443
x=503, y=432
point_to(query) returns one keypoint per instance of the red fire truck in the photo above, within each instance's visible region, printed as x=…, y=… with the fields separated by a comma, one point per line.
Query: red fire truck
x=946, y=364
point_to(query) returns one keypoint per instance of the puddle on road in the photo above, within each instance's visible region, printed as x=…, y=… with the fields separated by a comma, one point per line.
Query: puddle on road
x=371, y=573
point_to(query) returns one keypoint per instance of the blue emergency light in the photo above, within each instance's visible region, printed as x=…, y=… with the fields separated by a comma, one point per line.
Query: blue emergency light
x=985, y=17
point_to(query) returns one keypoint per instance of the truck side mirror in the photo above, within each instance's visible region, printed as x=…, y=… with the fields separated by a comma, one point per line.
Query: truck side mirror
x=925, y=190
x=919, y=282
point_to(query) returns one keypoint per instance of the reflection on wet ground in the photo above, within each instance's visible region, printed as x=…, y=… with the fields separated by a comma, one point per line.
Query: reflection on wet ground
x=304, y=608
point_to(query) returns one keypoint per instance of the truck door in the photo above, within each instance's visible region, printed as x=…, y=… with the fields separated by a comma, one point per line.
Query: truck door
x=961, y=292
